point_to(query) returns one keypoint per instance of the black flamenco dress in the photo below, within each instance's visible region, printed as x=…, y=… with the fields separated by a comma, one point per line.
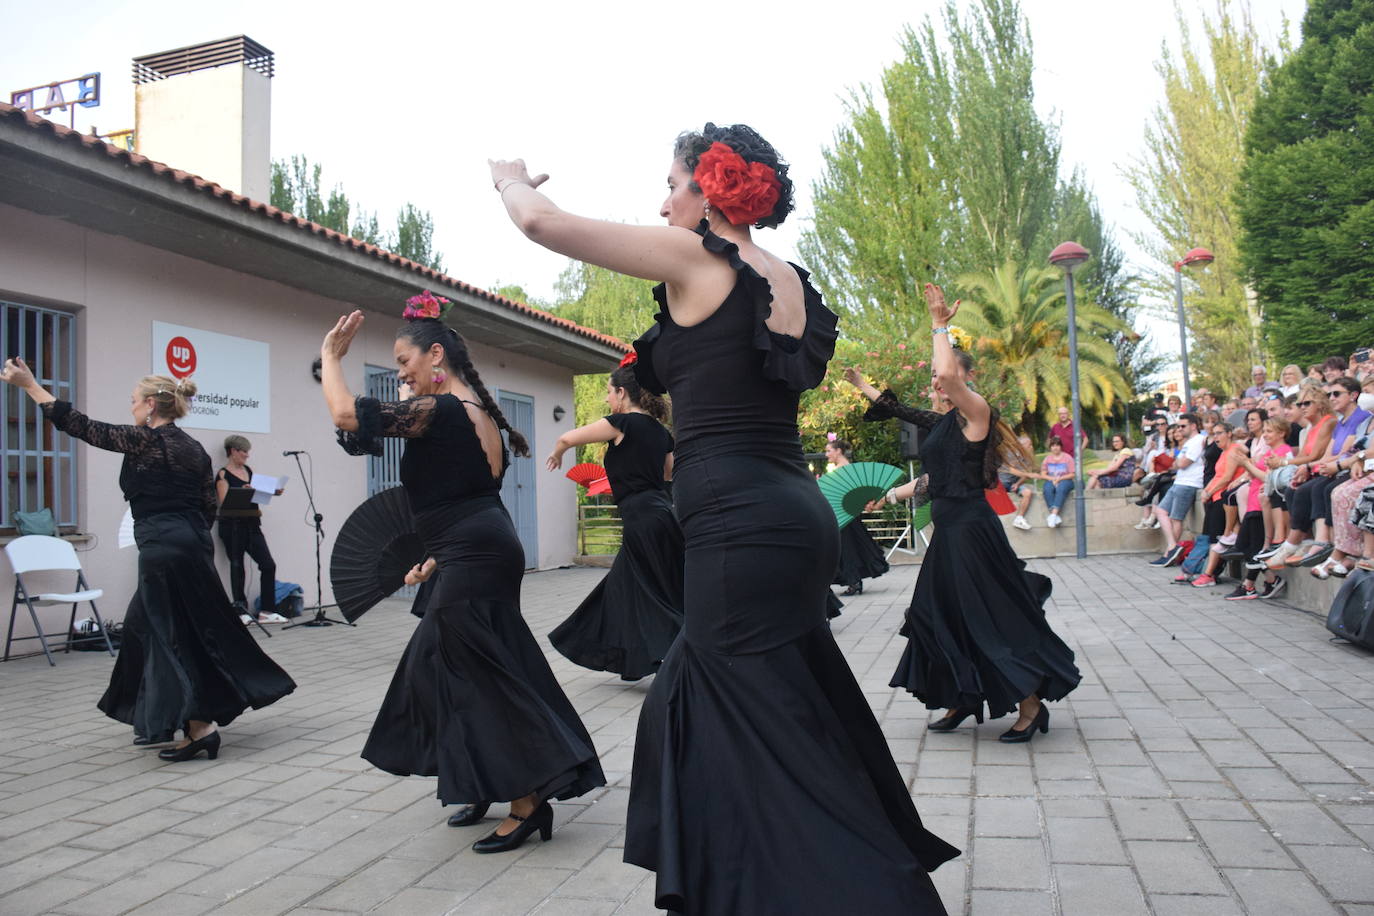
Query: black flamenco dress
x=184, y=654
x=976, y=629
x=762, y=782
x=473, y=700
x=860, y=557
x=634, y=613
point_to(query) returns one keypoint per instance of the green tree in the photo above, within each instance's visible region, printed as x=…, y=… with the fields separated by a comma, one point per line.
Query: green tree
x=947, y=169
x=1306, y=195
x=297, y=187
x=1186, y=181
x=1019, y=321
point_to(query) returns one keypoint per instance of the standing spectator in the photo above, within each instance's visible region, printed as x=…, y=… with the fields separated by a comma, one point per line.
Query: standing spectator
x=1173, y=508
x=1335, y=367
x=1207, y=400
x=1057, y=471
x=1259, y=384
x=1272, y=403
x=1154, y=412
x=1063, y=431
x=1289, y=379
x=1362, y=364
x=1120, y=472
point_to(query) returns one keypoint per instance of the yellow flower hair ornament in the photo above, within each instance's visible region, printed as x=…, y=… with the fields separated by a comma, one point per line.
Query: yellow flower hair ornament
x=959, y=339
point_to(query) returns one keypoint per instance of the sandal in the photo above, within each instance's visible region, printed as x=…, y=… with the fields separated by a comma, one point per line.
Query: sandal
x=271, y=618
x=1323, y=569
x=1317, y=555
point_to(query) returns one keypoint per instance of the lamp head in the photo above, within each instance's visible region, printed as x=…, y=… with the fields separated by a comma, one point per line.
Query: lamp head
x=1069, y=256
x=1196, y=256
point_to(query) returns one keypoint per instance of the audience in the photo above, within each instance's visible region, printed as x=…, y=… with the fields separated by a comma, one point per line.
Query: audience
x=1188, y=473
x=1057, y=470
x=1018, y=486
x=1063, y=431
x=1121, y=471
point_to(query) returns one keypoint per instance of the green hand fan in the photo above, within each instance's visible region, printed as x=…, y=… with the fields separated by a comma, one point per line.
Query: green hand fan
x=848, y=489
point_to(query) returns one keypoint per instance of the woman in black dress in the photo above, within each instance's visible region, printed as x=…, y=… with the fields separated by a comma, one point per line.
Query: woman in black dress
x=762, y=782
x=976, y=629
x=240, y=530
x=185, y=661
x=632, y=616
x=860, y=556
x=473, y=700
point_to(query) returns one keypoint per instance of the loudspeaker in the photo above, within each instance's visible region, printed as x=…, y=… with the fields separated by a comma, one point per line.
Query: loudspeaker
x=1352, y=611
x=909, y=437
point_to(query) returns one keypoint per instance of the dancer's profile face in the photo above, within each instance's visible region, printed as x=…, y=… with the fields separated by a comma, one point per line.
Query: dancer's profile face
x=415, y=367
x=832, y=454
x=683, y=206
x=615, y=398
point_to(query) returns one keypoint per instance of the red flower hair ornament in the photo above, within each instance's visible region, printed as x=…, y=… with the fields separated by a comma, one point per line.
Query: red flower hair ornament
x=425, y=305
x=629, y=359
x=745, y=192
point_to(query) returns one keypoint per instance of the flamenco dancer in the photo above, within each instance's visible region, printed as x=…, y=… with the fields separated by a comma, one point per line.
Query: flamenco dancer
x=860, y=556
x=761, y=780
x=633, y=615
x=976, y=629
x=473, y=700
x=185, y=660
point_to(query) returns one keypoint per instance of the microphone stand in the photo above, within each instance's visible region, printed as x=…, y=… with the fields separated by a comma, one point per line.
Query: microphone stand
x=320, y=619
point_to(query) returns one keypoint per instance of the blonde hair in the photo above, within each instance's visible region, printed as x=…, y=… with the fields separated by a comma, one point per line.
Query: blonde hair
x=171, y=397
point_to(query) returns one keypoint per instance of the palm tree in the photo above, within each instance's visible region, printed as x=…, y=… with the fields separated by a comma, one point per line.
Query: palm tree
x=1019, y=322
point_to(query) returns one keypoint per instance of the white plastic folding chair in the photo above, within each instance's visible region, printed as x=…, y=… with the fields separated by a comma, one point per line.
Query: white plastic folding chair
x=40, y=553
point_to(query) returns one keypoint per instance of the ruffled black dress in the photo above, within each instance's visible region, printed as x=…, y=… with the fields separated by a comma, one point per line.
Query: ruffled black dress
x=976, y=629
x=860, y=556
x=183, y=654
x=634, y=613
x=473, y=700
x=762, y=782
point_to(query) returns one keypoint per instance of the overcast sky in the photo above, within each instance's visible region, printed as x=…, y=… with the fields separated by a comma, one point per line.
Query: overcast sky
x=404, y=101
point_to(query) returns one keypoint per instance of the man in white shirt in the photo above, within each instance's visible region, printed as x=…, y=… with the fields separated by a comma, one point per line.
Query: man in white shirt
x=1179, y=499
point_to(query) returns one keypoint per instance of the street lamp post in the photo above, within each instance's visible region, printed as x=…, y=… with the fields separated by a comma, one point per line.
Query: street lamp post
x=1195, y=256
x=1068, y=257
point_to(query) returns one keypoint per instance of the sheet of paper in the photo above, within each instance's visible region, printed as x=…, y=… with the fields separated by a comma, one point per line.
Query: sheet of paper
x=265, y=487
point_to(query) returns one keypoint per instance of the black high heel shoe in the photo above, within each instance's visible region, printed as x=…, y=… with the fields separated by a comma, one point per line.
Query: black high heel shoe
x=207, y=743
x=1041, y=722
x=468, y=815
x=541, y=820
x=853, y=590
x=952, y=719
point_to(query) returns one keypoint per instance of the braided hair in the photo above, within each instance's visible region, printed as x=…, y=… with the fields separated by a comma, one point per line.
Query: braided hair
x=647, y=401
x=425, y=333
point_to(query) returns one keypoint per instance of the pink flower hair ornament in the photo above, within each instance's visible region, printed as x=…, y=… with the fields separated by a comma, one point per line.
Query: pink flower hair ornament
x=425, y=305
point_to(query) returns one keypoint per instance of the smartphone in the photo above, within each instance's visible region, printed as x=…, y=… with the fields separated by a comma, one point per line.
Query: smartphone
x=1361, y=355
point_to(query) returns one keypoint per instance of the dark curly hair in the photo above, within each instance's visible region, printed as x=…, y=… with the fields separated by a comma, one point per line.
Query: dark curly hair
x=425, y=333
x=745, y=141
x=647, y=401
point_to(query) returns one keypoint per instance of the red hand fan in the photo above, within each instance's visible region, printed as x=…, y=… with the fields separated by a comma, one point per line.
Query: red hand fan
x=999, y=500
x=590, y=475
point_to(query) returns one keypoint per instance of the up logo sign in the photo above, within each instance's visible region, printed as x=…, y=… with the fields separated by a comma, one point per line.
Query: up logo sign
x=181, y=357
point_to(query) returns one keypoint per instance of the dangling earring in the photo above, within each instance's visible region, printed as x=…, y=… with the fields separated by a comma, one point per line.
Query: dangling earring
x=706, y=213
x=438, y=376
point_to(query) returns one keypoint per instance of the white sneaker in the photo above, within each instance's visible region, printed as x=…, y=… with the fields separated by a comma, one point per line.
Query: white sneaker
x=1053, y=521
x=245, y=619
x=1154, y=522
x=1020, y=522
x=1144, y=524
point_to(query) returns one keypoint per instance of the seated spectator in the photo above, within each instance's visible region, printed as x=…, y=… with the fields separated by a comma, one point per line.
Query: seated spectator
x=1313, y=445
x=1349, y=480
x=1251, y=538
x=1315, y=373
x=1159, y=462
x=1272, y=404
x=1017, y=483
x=1057, y=470
x=1362, y=365
x=1179, y=499
x=1335, y=367
x=1174, y=410
x=1154, y=412
x=1259, y=384
x=1289, y=379
x=1121, y=471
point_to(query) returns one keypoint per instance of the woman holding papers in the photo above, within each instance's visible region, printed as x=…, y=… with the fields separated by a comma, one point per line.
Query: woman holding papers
x=241, y=531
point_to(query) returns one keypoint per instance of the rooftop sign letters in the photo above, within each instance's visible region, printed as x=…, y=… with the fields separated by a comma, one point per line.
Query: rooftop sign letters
x=84, y=91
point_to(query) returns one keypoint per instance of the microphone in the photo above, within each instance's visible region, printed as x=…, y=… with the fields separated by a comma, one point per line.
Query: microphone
x=289, y=454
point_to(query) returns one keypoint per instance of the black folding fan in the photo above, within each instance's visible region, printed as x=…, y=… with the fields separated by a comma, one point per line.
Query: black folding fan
x=376, y=547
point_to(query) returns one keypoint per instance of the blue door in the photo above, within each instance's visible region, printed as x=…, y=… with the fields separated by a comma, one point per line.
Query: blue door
x=517, y=490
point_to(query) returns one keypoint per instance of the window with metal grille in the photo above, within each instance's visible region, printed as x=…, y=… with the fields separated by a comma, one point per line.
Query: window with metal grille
x=39, y=461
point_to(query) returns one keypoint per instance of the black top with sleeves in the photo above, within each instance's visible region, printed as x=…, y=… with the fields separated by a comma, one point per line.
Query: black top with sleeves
x=956, y=467
x=636, y=464
x=164, y=469
x=443, y=462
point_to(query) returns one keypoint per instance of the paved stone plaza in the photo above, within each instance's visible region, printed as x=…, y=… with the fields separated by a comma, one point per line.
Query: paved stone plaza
x=1218, y=758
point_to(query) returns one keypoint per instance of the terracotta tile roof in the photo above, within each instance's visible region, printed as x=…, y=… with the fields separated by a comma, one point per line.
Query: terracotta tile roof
x=433, y=278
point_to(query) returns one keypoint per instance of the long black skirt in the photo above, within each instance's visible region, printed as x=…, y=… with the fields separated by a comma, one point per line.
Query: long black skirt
x=860, y=556
x=184, y=654
x=976, y=629
x=473, y=700
x=632, y=616
x=762, y=782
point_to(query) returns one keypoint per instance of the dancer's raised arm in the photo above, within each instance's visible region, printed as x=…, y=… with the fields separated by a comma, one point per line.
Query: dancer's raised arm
x=950, y=376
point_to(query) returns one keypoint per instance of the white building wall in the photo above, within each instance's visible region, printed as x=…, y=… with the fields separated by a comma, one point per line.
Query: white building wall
x=118, y=288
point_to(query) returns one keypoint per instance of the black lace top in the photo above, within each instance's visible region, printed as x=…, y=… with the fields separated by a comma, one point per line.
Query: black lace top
x=164, y=469
x=443, y=460
x=636, y=464
x=734, y=381
x=955, y=466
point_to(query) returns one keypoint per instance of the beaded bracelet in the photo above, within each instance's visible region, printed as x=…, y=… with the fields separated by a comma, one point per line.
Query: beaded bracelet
x=939, y=330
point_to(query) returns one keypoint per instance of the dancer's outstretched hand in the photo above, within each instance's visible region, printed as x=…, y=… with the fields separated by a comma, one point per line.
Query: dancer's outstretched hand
x=940, y=313
x=420, y=572
x=513, y=168
x=555, y=461
x=17, y=373
x=854, y=376
x=337, y=341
